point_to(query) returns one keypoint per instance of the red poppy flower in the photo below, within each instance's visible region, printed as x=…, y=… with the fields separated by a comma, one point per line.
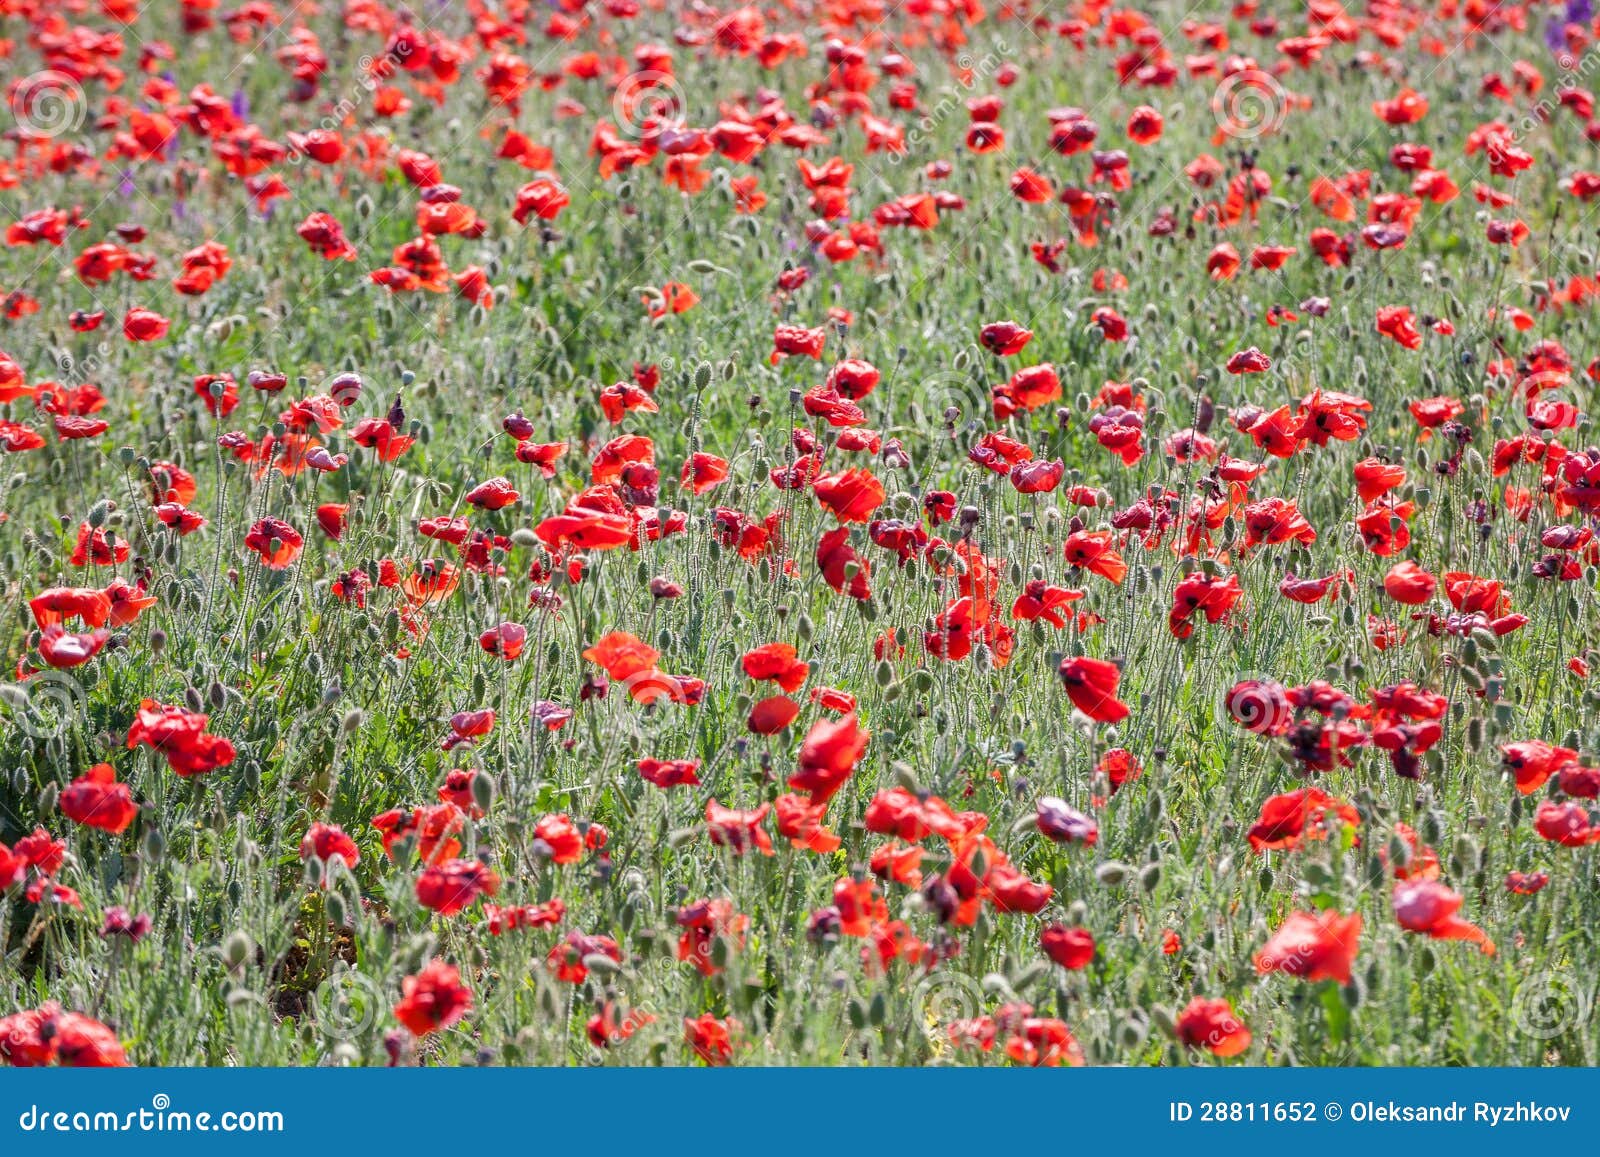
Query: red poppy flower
x=451, y=886
x=542, y=198
x=505, y=640
x=328, y=842
x=1144, y=125
x=1395, y=322
x=1249, y=361
x=777, y=662
x=622, y=655
x=712, y=1040
x=1313, y=947
x=95, y=799
x=1037, y=477
x=1092, y=551
x=1527, y=883
x=1092, y=685
x=64, y=650
x=851, y=496
x=1040, y=600
x=670, y=772
x=1567, y=824
x=1375, y=478
x=1004, y=338
x=703, y=472
x=1428, y=907
x=1031, y=187
x=1405, y=108
x=704, y=924
x=276, y=542
x=1072, y=948
x=1213, y=1026
x=1044, y=1043
x=797, y=341
x=1288, y=820
x=1200, y=593
x=181, y=737
x=383, y=436
x=800, y=822
x=738, y=830
x=772, y=715
x=433, y=999
x=828, y=757
x=48, y=1035
x=495, y=494
x=431, y=829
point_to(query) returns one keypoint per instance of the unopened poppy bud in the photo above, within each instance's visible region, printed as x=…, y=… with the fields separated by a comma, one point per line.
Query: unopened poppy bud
x=482, y=792
x=1135, y=1028
x=1112, y=873
x=236, y=949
